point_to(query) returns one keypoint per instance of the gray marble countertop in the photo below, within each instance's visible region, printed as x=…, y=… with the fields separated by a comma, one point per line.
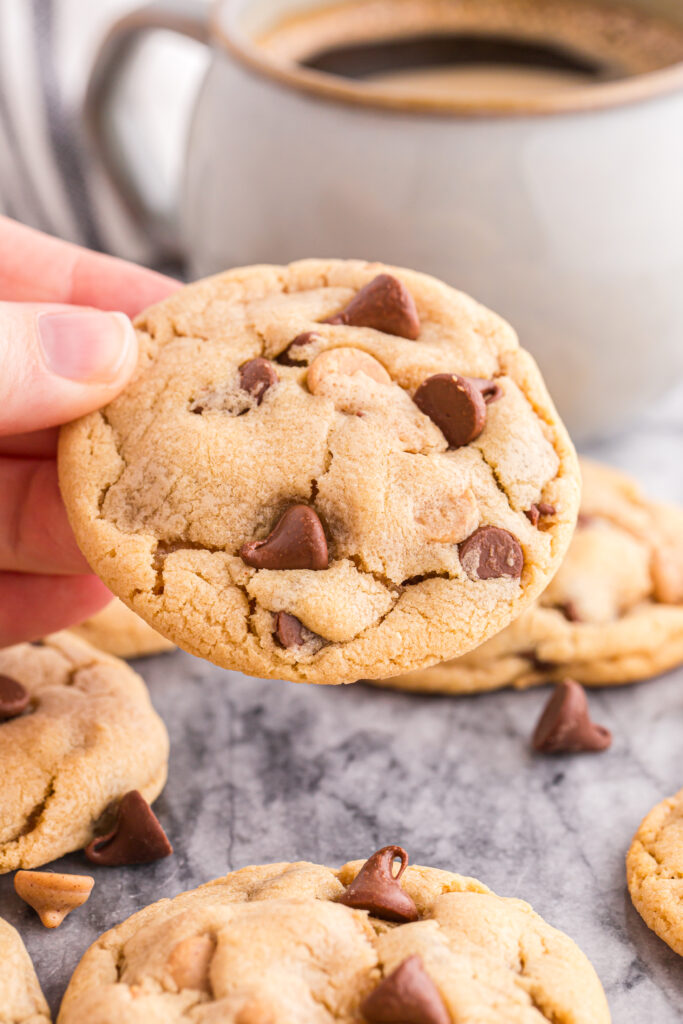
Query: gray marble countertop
x=264, y=771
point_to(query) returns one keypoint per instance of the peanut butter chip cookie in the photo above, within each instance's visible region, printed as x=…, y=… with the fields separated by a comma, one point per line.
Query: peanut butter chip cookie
x=21, y=998
x=324, y=471
x=119, y=631
x=654, y=871
x=612, y=614
x=86, y=735
x=283, y=942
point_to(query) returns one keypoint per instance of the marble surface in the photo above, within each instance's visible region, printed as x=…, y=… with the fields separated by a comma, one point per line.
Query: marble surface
x=266, y=771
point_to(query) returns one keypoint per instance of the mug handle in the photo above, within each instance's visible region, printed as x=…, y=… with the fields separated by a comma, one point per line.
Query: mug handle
x=188, y=18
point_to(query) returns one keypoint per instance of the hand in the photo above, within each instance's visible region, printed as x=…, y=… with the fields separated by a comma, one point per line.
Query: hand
x=60, y=357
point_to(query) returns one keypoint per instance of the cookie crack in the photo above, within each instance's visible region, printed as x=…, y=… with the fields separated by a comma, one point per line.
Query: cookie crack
x=116, y=440
x=36, y=813
x=497, y=480
x=165, y=548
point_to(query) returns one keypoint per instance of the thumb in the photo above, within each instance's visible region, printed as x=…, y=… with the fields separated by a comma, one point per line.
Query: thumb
x=59, y=362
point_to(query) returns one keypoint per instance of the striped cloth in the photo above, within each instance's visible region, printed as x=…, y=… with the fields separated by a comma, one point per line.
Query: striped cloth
x=48, y=177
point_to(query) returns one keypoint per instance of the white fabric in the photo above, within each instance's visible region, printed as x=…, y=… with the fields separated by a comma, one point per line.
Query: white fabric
x=49, y=177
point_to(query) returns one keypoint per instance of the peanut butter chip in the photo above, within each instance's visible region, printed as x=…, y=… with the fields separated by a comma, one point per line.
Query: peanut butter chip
x=565, y=727
x=376, y=889
x=190, y=961
x=384, y=304
x=52, y=896
x=256, y=376
x=491, y=552
x=450, y=519
x=288, y=630
x=138, y=837
x=455, y=404
x=14, y=698
x=292, y=355
x=406, y=996
x=346, y=362
x=297, y=542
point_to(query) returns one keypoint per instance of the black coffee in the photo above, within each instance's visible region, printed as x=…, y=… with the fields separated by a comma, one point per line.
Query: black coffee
x=477, y=48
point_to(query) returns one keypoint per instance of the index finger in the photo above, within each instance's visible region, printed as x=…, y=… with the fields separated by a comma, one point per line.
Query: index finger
x=37, y=268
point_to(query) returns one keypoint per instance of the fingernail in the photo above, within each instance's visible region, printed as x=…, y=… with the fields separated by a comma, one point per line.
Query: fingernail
x=85, y=345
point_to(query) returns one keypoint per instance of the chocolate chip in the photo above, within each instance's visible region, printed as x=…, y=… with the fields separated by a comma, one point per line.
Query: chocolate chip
x=455, y=404
x=406, y=996
x=14, y=698
x=384, y=304
x=565, y=727
x=490, y=390
x=376, y=888
x=490, y=553
x=138, y=837
x=585, y=519
x=288, y=630
x=290, y=357
x=534, y=513
x=570, y=611
x=297, y=542
x=256, y=376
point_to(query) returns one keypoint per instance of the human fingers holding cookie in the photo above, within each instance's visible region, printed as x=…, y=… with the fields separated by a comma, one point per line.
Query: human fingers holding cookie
x=62, y=354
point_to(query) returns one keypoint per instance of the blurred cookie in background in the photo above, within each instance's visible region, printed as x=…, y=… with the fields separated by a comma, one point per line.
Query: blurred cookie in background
x=77, y=734
x=21, y=998
x=119, y=631
x=654, y=871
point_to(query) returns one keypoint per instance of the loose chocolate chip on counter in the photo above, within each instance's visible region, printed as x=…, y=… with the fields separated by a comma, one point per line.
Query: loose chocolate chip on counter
x=491, y=552
x=565, y=727
x=384, y=304
x=376, y=889
x=455, y=404
x=297, y=542
x=490, y=390
x=137, y=838
x=290, y=357
x=406, y=996
x=256, y=376
x=14, y=698
x=536, y=511
x=288, y=630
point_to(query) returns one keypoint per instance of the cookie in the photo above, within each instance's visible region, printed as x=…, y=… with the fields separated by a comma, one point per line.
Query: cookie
x=21, y=998
x=119, y=631
x=323, y=471
x=612, y=614
x=77, y=732
x=654, y=871
x=297, y=942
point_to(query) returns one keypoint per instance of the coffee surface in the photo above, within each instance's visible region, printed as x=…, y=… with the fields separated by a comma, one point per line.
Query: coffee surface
x=476, y=49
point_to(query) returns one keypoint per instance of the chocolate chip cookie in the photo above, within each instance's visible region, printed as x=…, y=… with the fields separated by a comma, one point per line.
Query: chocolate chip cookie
x=654, y=871
x=324, y=471
x=119, y=631
x=21, y=998
x=365, y=943
x=77, y=732
x=612, y=614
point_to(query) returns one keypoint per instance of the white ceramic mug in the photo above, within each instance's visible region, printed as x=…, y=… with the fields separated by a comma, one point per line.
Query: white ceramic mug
x=566, y=217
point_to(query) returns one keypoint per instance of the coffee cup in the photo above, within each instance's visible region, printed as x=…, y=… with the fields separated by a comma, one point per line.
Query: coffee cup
x=553, y=195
